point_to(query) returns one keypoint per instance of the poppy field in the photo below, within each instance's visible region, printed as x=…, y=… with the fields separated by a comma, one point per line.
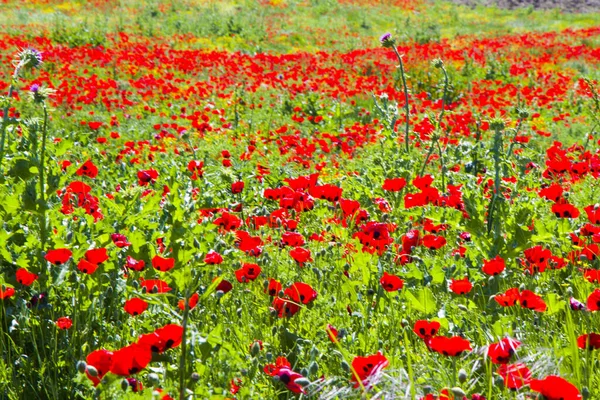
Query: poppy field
x=281, y=199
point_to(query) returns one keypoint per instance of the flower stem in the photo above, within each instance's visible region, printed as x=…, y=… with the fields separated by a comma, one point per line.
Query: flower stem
x=5, y=115
x=406, y=106
x=43, y=227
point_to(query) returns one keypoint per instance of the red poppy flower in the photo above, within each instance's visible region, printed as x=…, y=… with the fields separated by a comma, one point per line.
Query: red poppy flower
x=433, y=242
x=163, y=264
x=591, y=341
x=565, y=210
x=96, y=256
x=394, y=184
x=555, y=388
x=391, y=283
x=593, y=300
x=593, y=214
x=501, y=352
x=274, y=287
x=383, y=204
x=284, y=307
x=213, y=258
x=86, y=267
x=410, y=241
x=135, y=306
x=195, y=167
x=301, y=255
x=146, y=177
x=449, y=346
x=6, y=293
x=247, y=273
x=58, y=256
x=88, y=169
x=552, y=193
x=25, y=277
x=134, y=264
x=289, y=378
x=193, y=301
x=119, y=240
x=509, y=298
x=228, y=221
x=364, y=368
x=251, y=245
x=154, y=286
x=170, y=336
x=237, y=187
x=326, y=192
x=591, y=275
x=280, y=362
x=425, y=329
x=135, y=385
x=576, y=305
x=301, y=293
x=64, y=323
x=461, y=286
x=532, y=301
x=293, y=239
x=130, y=359
x=101, y=360
x=494, y=266
x=332, y=332
x=515, y=375
x=224, y=286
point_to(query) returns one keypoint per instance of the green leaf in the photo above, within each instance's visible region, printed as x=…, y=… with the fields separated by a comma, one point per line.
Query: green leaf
x=555, y=305
x=215, y=337
x=438, y=275
x=423, y=300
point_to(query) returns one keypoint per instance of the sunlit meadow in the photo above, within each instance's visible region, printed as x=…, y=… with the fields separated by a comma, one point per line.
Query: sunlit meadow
x=282, y=199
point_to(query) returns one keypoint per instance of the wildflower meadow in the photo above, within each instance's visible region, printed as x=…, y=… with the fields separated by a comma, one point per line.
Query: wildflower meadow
x=299, y=199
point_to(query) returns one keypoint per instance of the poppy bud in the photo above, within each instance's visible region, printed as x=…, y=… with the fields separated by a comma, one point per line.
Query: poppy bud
x=303, y=372
x=314, y=352
x=404, y=323
x=304, y=382
x=458, y=392
x=255, y=349
x=499, y=381
x=463, y=307
x=153, y=378
x=585, y=393
x=269, y=356
x=462, y=375
x=219, y=294
x=239, y=312
x=345, y=366
x=342, y=333
x=81, y=286
x=313, y=368
x=427, y=389
x=522, y=287
x=81, y=366
x=124, y=385
x=195, y=377
x=91, y=370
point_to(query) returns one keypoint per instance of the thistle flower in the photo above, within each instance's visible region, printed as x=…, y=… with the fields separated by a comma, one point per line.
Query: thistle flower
x=38, y=94
x=28, y=59
x=386, y=40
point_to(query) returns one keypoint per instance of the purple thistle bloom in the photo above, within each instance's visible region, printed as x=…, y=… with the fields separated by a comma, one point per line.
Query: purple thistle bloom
x=385, y=37
x=35, y=88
